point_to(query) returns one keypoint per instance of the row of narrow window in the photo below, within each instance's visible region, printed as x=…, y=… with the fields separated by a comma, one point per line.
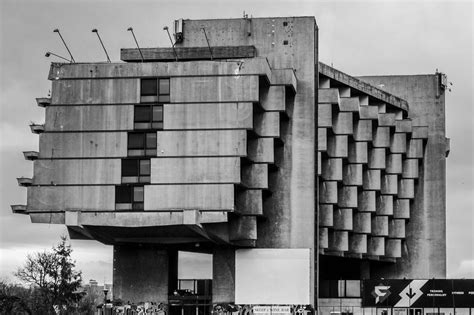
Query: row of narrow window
x=142, y=143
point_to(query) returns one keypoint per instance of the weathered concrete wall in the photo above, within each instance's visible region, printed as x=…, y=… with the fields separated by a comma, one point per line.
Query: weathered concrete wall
x=424, y=255
x=140, y=274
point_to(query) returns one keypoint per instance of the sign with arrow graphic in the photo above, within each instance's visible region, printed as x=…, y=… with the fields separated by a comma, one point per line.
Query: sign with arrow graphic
x=418, y=293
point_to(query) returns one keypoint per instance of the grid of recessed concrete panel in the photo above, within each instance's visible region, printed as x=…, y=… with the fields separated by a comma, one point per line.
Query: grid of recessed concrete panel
x=369, y=157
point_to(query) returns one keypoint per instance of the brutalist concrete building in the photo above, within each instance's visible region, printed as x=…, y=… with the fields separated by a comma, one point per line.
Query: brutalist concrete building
x=299, y=179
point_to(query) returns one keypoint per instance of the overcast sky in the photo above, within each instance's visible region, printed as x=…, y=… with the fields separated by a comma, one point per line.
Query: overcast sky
x=357, y=37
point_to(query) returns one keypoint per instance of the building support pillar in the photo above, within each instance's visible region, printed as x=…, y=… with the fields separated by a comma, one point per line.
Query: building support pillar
x=223, y=275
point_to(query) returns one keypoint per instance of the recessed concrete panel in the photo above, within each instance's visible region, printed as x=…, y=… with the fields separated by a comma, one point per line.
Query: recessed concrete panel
x=70, y=198
x=77, y=172
x=208, y=116
x=83, y=145
x=98, y=91
x=214, y=89
x=89, y=118
x=200, y=170
x=209, y=197
x=202, y=143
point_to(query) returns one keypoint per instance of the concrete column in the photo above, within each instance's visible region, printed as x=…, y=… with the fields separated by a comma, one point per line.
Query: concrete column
x=140, y=274
x=223, y=275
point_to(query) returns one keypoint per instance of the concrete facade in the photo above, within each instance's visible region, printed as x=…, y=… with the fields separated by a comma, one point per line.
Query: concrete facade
x=251, y=143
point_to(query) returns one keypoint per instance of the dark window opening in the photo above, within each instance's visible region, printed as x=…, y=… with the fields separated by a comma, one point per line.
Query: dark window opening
x=141, y=144
x=148, y=117
x=156, y=90
x=136, y=171
x=285, y=42
x=129, y=197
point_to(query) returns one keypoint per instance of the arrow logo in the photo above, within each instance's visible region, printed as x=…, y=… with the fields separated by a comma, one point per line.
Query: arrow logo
x=381, y=293
x=411, y=293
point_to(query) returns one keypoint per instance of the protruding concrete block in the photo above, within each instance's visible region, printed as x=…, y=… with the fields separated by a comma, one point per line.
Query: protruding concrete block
x=380, y=225
x=406, y=189
x=347, y=197
x=394, y=164
x=368, y=112
x=386, y=119
x=249, y=202
x=328, y=192
x=343, y=219
x=398, y=143
x=274, y=99
x=255, y=176
x=381, y=138
x=267, y=124
x=328, y=96
x=396, y=228
x=401, y=209
x=376, y=246
x=419, y=132
x=352, y=174
x=261, y=150
x=326, y=215
x=337, y=146
x=342, y=123
x=323, y=237
x=349, y=104
x=404, y=125
x=384, y=205
x=358, y=152
x=344, y=91
x=324, y=83
x=362, y=130
x=393, y=248
x=376, y=158
x=389, y=184
x=332, y=169
x=366, y=201
x=410, y=168
x=319, y=164
x=415, y=149
x=325, y=115
x=339, y=241
x=363, y=100
x=322, y=140
x=362, y=222
x=371, y=180
x=243, y=228
x=358, y=243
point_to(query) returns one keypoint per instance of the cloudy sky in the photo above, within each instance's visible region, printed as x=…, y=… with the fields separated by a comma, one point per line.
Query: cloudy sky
x=357, y=37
